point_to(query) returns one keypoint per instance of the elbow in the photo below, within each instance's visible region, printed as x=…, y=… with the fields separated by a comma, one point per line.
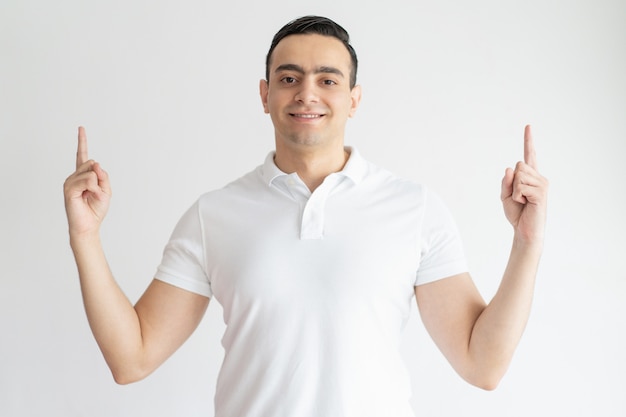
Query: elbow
x=128, y=369
x=122, y=379
x=127, y=376
x=486, y=380
x=487, y=374
x=487, y=384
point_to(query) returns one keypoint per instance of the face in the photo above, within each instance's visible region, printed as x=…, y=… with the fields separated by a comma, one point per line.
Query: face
x=308, y=95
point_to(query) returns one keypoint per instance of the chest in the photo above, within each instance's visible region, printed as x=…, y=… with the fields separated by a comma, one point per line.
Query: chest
x=366, y=252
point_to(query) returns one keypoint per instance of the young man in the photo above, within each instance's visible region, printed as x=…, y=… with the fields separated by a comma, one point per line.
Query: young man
x=315, y=257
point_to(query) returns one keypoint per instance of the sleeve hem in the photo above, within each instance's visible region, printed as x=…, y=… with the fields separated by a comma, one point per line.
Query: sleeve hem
x=441, y=272
x=184, y=283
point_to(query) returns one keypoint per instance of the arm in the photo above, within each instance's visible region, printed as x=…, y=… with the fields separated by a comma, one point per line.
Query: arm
x=134, y=340
x=479, y=339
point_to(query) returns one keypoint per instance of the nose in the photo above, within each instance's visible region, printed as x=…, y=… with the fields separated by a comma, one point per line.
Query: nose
x=307, y=93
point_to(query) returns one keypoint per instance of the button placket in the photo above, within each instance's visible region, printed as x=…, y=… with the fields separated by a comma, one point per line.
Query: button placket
x=312, y=226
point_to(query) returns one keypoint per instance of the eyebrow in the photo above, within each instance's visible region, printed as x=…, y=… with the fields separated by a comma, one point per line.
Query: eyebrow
x=319, y=70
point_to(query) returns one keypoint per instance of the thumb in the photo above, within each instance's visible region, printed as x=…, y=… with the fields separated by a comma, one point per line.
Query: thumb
x=103, y=178
x=507, y=184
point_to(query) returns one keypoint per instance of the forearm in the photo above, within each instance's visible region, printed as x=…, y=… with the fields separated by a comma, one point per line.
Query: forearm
x=112, y=318
x=499, y=327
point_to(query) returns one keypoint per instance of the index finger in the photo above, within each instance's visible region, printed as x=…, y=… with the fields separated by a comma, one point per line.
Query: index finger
x=81, y=154
x=530, y=156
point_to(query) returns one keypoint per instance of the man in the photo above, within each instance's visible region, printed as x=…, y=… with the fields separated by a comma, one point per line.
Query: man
x=315, y=257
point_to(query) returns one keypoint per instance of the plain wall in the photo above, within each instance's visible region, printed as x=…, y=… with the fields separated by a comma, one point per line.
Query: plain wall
x=168, y=92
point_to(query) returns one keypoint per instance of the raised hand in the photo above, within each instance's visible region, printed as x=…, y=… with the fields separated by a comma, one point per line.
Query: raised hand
x=87, y=193
x=524, y=195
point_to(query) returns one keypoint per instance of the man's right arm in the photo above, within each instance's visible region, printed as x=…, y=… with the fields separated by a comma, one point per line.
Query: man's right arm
x=134, y=340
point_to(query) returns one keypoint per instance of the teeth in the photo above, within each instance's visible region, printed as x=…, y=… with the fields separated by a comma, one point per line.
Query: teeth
x=307, y=116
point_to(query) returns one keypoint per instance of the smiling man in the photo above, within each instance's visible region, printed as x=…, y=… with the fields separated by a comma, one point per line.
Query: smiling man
x=315, y=256
x=310, y=94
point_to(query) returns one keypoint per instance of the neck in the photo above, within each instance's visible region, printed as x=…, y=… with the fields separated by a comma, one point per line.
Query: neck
x=311, y=165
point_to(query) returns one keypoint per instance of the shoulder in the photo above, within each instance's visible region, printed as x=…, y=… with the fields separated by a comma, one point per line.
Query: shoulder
x=389, y=183
x=246, y=186
x=386, y=187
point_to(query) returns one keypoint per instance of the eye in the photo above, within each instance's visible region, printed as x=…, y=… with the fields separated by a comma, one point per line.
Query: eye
x=288, y=80
x=329, y=82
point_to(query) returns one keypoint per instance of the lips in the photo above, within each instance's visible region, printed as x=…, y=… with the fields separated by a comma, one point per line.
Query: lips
x=306, y=115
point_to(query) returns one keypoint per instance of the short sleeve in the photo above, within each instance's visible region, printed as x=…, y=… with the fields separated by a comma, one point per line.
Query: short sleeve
x=183, y=262
x=441, y=253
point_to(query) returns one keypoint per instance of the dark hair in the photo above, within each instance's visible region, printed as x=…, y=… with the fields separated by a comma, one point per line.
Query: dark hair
x=314, y=25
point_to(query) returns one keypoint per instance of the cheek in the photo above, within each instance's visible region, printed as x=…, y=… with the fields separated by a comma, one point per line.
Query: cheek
x=345, y=104
x=270, y=104
x=277, y=99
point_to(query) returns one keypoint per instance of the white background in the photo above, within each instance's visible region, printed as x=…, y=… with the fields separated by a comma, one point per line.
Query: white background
x=168, y=92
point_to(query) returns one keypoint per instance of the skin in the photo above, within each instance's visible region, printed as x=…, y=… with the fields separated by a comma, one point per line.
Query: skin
x=309, y=100
x=134, y=340
x=479, y=339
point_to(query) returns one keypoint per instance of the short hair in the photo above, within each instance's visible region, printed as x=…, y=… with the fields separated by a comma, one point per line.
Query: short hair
x=314, y=25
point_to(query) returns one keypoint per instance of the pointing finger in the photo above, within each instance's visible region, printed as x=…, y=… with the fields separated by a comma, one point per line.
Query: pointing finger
x=530, y=156
x=81, y=153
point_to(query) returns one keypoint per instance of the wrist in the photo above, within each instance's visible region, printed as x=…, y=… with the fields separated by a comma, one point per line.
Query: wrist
x=84, y=239
x=532, y=245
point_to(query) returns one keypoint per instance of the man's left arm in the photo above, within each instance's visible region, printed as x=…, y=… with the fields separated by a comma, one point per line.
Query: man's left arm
x=479, y=339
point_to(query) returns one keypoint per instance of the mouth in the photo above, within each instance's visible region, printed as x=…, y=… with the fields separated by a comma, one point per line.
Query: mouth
x=308, y=116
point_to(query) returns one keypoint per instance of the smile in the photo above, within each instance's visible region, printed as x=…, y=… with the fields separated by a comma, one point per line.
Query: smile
x=307, y=116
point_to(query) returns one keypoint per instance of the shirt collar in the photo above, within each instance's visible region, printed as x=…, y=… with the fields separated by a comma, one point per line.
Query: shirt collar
x=355, y=168
x=269, y=170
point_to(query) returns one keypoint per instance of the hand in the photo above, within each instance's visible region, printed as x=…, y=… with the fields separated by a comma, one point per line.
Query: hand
x=87, y=193
x=524, y=195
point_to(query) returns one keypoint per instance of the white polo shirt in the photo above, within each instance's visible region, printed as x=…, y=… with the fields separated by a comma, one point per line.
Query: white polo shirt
x=316, y=287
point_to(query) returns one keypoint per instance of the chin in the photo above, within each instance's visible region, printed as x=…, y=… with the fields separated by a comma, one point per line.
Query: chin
x=306, y=140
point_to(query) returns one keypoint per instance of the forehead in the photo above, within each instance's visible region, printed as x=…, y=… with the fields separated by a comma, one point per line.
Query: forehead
x=311, y=50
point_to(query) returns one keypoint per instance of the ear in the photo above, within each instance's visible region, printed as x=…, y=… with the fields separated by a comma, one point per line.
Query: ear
x=263, y=91
x=355, y=99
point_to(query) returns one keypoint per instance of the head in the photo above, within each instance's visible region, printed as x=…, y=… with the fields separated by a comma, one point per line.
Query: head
x=310, y=90
x=314, y=25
